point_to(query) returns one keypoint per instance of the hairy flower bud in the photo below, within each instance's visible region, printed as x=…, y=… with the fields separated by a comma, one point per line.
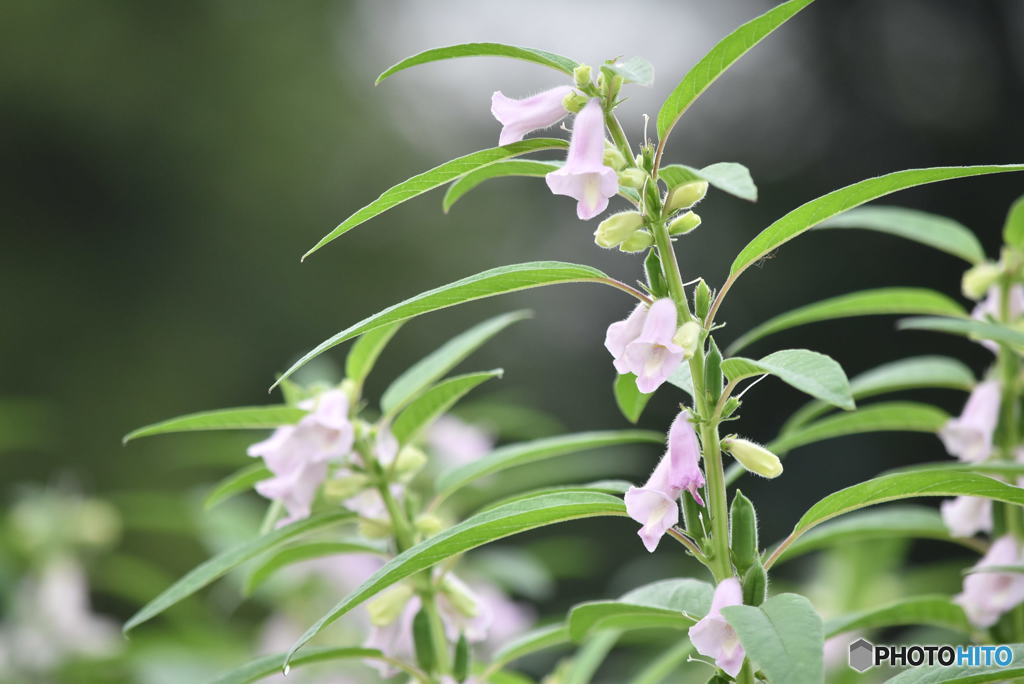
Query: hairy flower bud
x=461, y=596
x=683, y=224
x=688, y=337
x=389, y=604
x=581, y=75
x=345, y=486
x=753, y=457
x=617, y=228
x=428, y=524
x=614, y=158
x=574, y=102
x=632, y=178
x=410, y=461
x=637, y=242
x=686, y=195
x=979, y=278
x=374, y=529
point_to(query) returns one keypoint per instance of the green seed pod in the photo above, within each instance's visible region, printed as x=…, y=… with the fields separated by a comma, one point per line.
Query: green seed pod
x=743, y=526
x=423, y=641
x=755, y=584
x=713, y=374
x=460, y=669
x=702, y=299
x=655, y=276
x=691, y=518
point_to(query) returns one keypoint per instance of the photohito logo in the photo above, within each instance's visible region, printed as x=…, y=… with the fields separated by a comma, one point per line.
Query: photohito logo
x=864, y=655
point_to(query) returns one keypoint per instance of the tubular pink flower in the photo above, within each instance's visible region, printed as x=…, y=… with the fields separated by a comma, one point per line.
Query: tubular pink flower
x=715, y=638
x=965, y=516
x=653, y=356
x=987, y=595
x=656, y=504
x=991, y=307
x=621, y=333
x=520, y=117
x=969, y=436
x=584, y=176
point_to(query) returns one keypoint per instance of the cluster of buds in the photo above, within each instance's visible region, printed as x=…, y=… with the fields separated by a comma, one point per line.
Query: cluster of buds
x=624, y=230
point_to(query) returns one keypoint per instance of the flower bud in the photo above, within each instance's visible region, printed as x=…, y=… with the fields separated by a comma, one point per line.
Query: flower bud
x=351, y=389
x=637, y=242
x=574, y=102
x=461, y=596
x=617, y=228
x=389, y=604
x=683, y=224
x=753, y=457
x=428, y=524
x=410, y=461
x=688, y=337
x=614, y=86
x=374, y=529
x=581, y=75
x=632, y=178
x=978, y=279
x=701, y=299
x=345, y=486
x=686, y=195
x=613, y=158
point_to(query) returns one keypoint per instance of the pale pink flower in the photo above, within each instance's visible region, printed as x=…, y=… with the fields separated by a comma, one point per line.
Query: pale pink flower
x=987, y=595
x=456, y=442
x=385, y=447
x=969, y=436
x=621, y=333
x=991, y=307
x=584, y=176
x=653, y=356
x=296, y=489
x=715, y=638
x=656, y=504
x=965, y=516
x=520, y=117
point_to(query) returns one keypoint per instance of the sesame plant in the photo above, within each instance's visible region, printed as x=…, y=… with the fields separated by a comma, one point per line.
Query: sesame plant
x=355, y=473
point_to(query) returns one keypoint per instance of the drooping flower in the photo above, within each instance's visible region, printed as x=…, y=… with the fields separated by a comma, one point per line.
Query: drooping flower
x=656, y=504
x=621, y=333
x=715, y=638
x=520, y=117
x=654, y=355
x=584, y=176
x=969, y=436
x=991, y=307
x=987, y=595
x=965, y=516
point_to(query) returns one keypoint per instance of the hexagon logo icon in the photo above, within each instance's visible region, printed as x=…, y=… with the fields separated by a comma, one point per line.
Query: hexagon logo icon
x=862, y=655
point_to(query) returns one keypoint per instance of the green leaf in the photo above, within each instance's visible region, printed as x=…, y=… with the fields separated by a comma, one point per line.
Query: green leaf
x=808, y=215
x=241, y=480
x=221, y=564
x=563, y=64
x=681, y=378
x=728, y=177
x=883, y=301
x=932, y=230
x=815, y=374
x=245, y=418
x=366, y=350
x=538, y=639
x=661, y=668
x=783, y=637
x=720, y=58
x=633, y=70
x=630, y=400
x=613, y=487
x=272, y=664
x=906, y=485
x=589, y=657
x=899, y=521
x=668, y=604
x=963, y=674
x=425, y=409
x=1013, y=229
x=486, y=284
x=427, y=370
x=934, y=611
x=512, y=167
x=475, y=531
x=976, y=330
x=911, y=373
x=435, y=177
x=895, y=416
x=298, y=553
x=513, y=455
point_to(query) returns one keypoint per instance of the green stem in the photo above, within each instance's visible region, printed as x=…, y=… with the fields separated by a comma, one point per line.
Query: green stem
x=670, y=267
x=1009, y=369
x=618, y=136
x=718, y=504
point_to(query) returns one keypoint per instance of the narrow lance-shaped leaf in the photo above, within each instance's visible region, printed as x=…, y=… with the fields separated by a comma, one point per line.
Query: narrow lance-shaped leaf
x=364, y=353
x=979, y=330
x=241, y=480
x=816, y=374
x=503, y=169
x=245, y=418
x=475, y=531
x=221, y=564
x=934, y=611
x=427, y=370
x=549, y=59
x=302, y=552
x=418, y=415
x=783, y=637
x=720, y=58
x=513, y=455
x=808, y=215
x=932, y=230
x=435, y=177
x=539, y=639
x=486, y=284
x=272, y=664
x=672, y=604
x=911, y=373
x=728, y=177
x=1013, y=229
x=883, y=301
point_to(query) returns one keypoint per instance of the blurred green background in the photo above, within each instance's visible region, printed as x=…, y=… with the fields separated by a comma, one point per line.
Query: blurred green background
x=166, y=164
